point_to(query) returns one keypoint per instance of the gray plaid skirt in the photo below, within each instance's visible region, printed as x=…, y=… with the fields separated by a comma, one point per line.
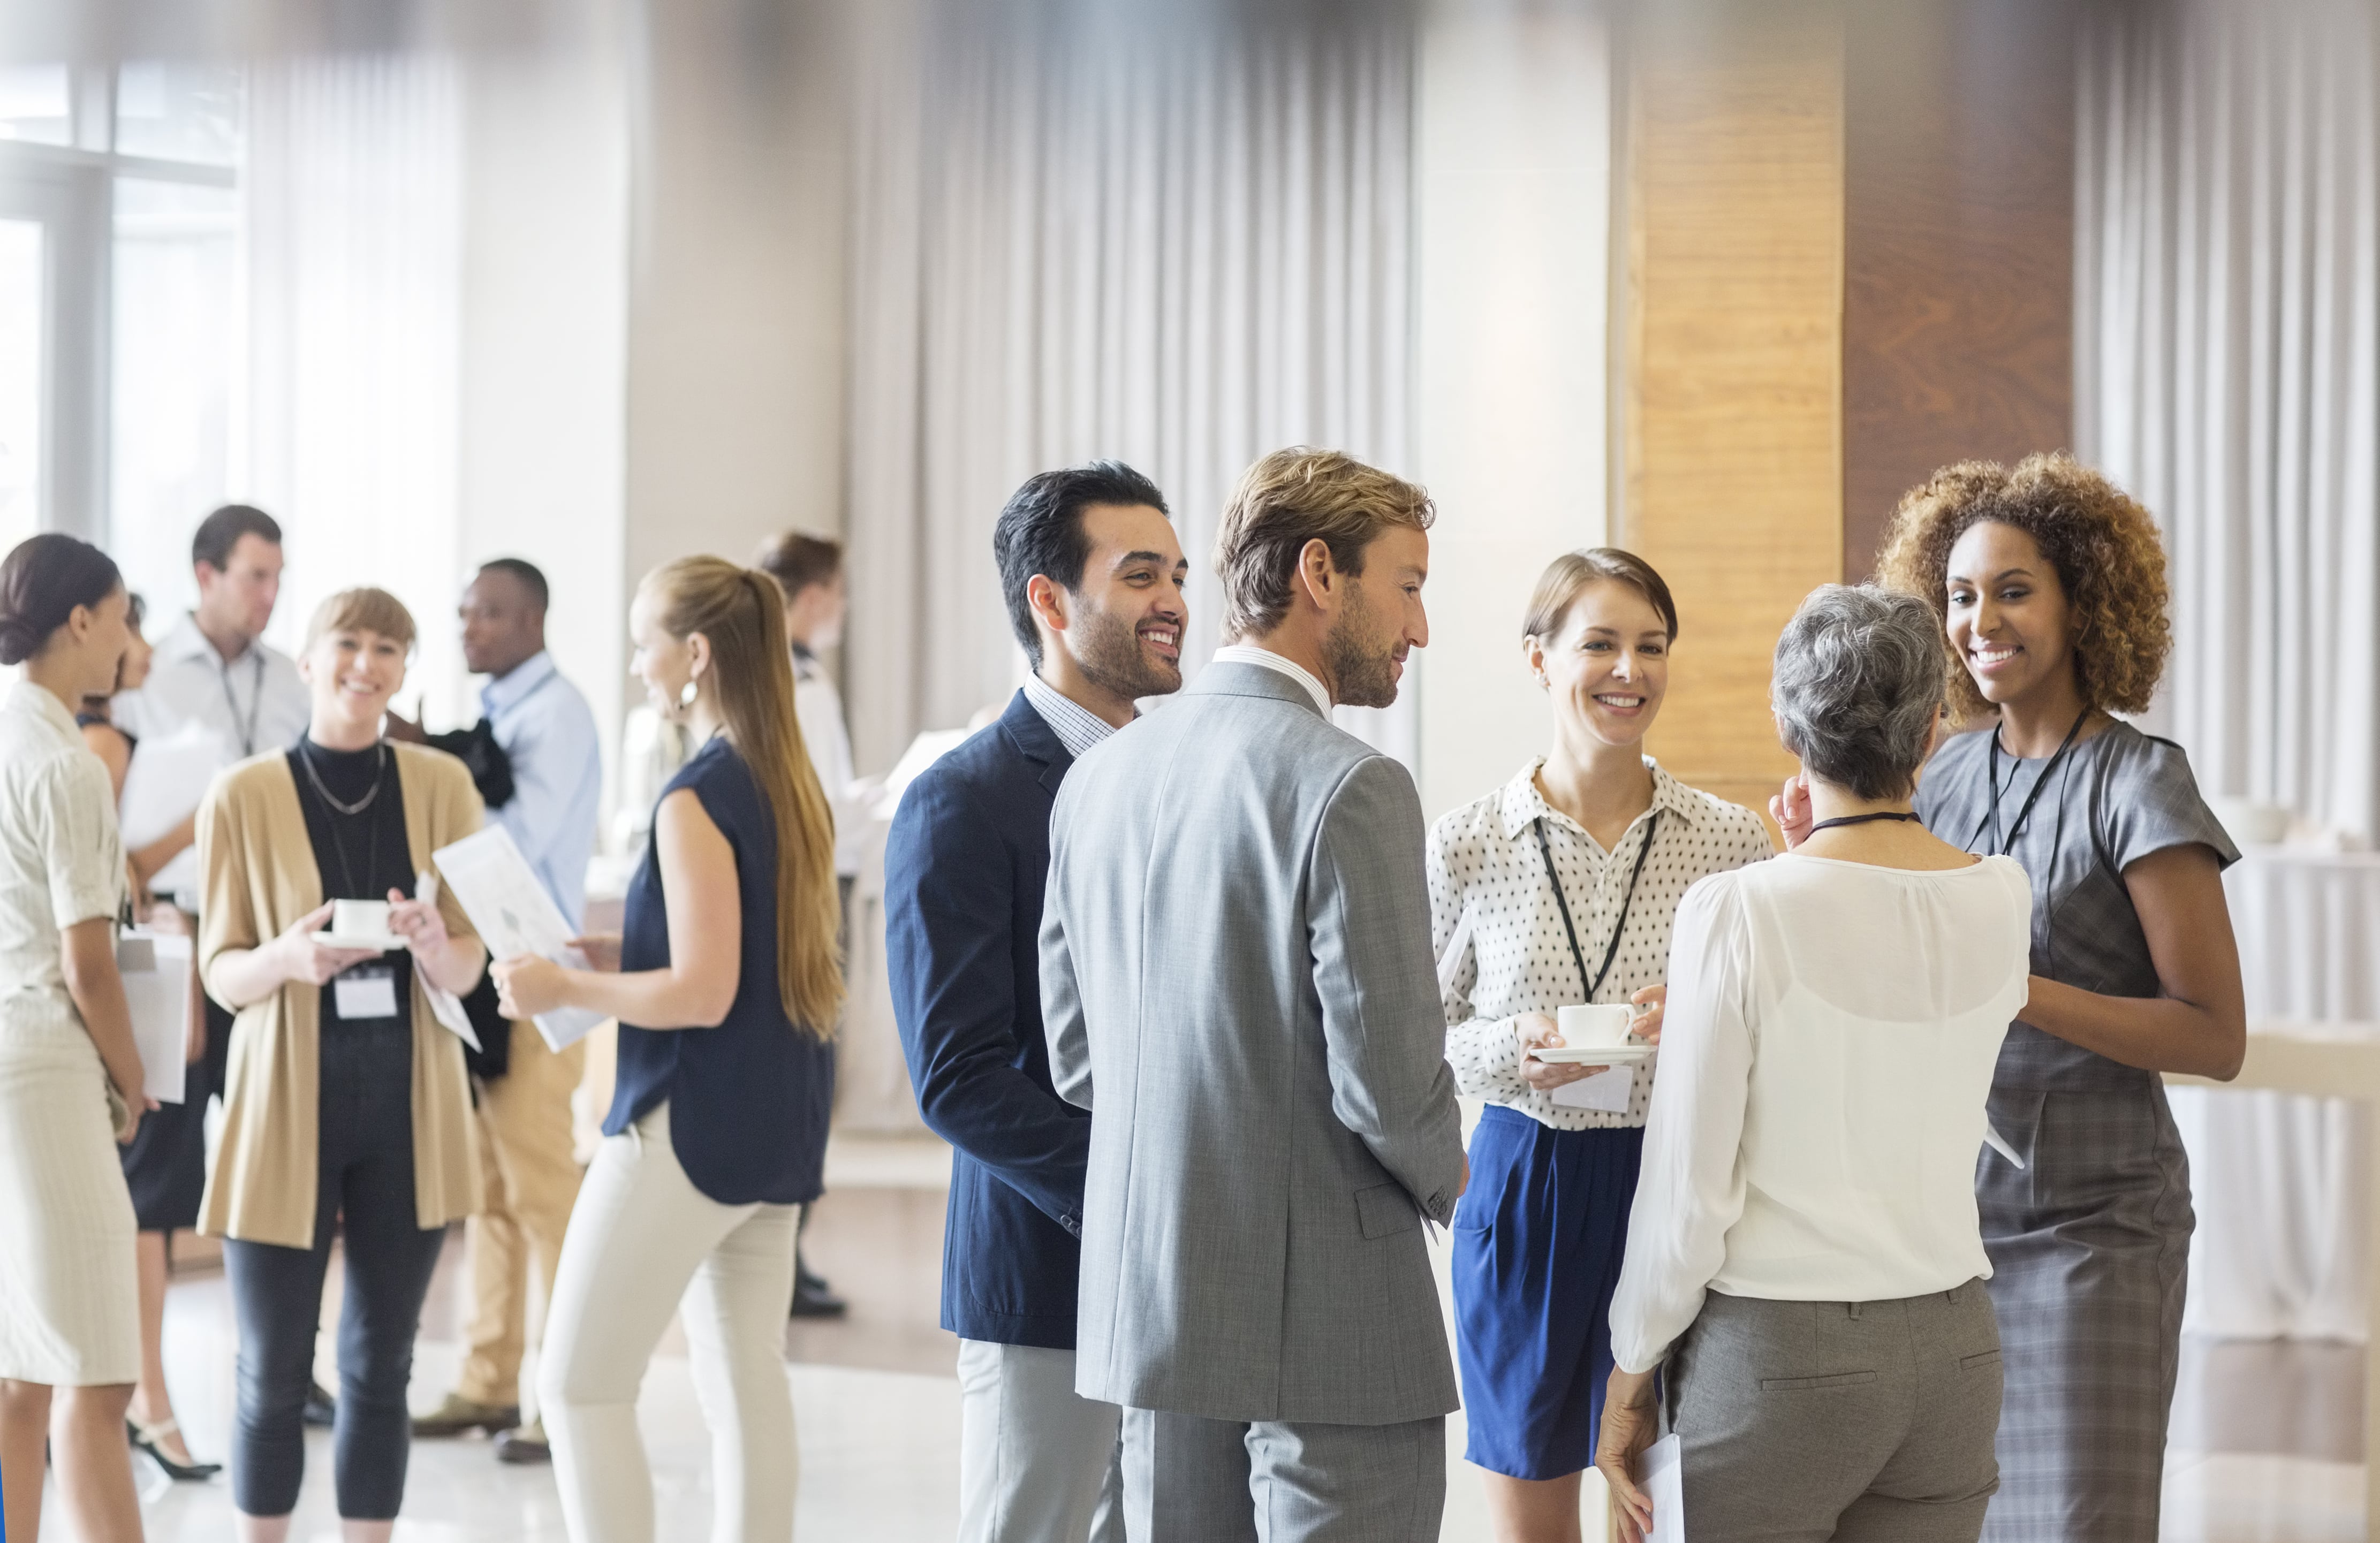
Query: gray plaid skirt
x=2090, y=1246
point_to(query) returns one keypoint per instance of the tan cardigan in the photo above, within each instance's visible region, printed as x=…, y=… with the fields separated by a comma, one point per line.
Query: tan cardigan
x=258, y=877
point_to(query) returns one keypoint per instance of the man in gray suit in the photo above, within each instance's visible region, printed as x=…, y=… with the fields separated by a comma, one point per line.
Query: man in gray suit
x=1235, y=959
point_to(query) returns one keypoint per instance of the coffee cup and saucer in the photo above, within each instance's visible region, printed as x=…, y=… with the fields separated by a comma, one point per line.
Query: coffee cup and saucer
x=361, y=925
x=1598, y=1035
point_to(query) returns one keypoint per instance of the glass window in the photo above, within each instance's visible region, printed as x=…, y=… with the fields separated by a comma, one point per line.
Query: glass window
x=179, y=112
x=36, y=103
x=20, y=380
x=176, y=341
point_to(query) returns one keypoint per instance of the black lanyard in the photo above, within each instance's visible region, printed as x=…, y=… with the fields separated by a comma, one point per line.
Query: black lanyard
x=1562, y=901
x=2000, y=847
x=255, y=699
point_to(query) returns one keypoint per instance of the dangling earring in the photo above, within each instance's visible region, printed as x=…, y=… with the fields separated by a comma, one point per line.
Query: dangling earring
x=686, y=693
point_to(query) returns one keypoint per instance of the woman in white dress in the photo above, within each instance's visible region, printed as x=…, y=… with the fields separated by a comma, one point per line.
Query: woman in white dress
x=70, y=1080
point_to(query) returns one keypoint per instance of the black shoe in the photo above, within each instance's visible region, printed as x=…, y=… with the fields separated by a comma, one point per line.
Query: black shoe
x=524, y=1444
x=322, y=1409
x=814, y=1298
x=151, y=1439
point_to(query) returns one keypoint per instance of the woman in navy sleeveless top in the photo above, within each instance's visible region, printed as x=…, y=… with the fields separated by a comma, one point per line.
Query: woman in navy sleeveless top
x=752, y=1095
x=725, y=984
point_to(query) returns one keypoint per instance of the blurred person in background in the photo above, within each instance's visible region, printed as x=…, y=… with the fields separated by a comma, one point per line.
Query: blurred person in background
x=553, y=784
x=2048, y=585
x=727, y=985
x=1804, y=1252
x=165, y=1165
x=808, y=571
x=1558, y=888
x=71, y=1085
x=214, y=666
x=1092, y=574
x=347, y=1111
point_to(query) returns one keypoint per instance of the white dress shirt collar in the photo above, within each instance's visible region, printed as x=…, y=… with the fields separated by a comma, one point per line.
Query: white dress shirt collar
x=502, y=691
x=1522, y=803
x=1249, y=653
x=185, y=641
x=1076, y=726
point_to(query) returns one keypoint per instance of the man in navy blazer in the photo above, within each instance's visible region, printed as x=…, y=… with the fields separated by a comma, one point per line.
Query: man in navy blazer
x=1093, y=577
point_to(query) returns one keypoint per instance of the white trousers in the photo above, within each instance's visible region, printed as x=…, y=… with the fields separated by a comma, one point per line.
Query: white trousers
x=1035, y=1457
x=645, y=1242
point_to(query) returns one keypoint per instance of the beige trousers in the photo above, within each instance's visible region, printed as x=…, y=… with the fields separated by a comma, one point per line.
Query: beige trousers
x=532, y=1178
x=646, y=1244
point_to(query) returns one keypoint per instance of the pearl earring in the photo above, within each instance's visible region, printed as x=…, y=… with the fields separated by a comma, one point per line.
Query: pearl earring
x=686, y=693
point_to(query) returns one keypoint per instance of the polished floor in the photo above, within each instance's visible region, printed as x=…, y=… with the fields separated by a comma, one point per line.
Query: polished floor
x=2266, y=1436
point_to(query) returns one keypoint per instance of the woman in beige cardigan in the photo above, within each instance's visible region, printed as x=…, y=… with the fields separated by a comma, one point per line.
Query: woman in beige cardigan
x=346, y=1098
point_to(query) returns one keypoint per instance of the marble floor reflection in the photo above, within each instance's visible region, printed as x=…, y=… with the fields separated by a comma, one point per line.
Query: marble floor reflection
x=2267, y=1435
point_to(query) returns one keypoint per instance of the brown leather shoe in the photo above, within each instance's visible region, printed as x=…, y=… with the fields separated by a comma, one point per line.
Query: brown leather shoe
x=524, y=1444
x=458, y=1415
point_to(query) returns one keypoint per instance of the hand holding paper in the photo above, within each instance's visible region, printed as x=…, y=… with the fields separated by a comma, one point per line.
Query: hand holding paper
x=519, y=922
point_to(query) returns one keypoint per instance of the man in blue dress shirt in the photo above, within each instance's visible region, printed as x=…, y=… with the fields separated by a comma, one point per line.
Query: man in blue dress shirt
x=547, y=733
x=1093, y=576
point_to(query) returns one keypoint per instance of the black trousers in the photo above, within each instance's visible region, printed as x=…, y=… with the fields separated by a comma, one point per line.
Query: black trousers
x=365, y=1175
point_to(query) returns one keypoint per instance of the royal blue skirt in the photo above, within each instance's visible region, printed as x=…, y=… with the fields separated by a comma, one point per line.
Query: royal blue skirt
x=1537, y=1242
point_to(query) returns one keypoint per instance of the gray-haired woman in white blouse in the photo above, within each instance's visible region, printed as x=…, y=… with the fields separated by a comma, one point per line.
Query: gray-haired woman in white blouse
x=1804, y=1252
x=1558, y=889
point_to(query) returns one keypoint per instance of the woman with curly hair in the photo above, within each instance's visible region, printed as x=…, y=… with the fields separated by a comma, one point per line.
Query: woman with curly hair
x=2050, y=585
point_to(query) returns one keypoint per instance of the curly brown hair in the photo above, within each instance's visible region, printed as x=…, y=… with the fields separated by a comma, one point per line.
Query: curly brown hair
x=2104, y=545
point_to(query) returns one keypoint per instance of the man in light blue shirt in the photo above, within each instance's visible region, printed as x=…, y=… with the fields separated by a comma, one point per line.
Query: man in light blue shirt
x=547, y=732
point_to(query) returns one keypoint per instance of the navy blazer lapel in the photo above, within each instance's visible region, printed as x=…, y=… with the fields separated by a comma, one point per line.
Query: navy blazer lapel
x=1032, y=737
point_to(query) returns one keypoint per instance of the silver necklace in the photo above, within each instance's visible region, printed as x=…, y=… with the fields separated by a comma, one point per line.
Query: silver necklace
x=380, y=766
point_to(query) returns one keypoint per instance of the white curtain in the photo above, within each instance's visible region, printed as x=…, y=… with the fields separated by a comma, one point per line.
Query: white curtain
x=2227, y=347
x=355, y=226
x=2228, y=358
x=1182, y=248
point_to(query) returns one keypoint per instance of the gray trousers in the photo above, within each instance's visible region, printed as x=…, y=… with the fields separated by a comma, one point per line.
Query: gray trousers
x=1191, y=1480
x=1037, y=1463
x=1864, y=1421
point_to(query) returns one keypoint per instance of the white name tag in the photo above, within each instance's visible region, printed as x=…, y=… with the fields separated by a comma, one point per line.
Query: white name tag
x=366, y=992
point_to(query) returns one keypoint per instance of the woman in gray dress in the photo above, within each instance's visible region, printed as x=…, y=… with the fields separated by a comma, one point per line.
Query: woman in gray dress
x=2050, y=584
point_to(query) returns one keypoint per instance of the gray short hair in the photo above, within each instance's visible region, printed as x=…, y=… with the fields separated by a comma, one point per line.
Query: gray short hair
x=1859, y=683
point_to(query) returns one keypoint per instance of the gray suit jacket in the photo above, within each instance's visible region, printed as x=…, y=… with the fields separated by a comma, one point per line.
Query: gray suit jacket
x=1235, y=956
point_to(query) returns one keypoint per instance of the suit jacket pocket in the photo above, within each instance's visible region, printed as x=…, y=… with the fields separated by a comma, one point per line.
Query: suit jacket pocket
x=1385, y=1209
x=1800, y=1384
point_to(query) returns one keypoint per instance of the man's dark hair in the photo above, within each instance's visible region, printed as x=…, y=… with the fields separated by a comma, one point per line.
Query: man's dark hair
x=526, y=572
x=1041, y=531
x=796, y=562
x=221, y=531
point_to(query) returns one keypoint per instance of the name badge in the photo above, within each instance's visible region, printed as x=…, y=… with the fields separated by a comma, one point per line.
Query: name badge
x=366, y=992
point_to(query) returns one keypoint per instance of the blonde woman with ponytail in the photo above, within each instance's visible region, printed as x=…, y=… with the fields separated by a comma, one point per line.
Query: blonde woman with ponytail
x=725, y=981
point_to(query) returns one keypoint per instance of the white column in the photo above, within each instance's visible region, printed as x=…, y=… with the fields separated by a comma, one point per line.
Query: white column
x=1515, y=160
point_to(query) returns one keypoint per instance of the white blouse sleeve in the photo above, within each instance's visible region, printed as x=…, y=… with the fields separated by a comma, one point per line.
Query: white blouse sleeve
x=1485, y=1057
x=1691, y=1191
x=81, y=847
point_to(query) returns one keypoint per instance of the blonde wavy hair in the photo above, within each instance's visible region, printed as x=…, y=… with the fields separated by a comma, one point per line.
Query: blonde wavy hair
x=2103, y=544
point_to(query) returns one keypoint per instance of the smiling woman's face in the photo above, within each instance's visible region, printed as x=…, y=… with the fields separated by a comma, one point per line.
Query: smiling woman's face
x=2007, y=614
x=352, y=673
x=1608, y=668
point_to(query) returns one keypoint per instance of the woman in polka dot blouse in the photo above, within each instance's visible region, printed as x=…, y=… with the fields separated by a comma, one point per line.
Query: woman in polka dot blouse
x=1560, y=888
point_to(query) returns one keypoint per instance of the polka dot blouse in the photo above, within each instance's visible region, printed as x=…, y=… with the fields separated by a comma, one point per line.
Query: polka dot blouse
x=1497, y=932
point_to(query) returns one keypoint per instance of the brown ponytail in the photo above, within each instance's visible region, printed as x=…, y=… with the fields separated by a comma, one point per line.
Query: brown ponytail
x=740, y=613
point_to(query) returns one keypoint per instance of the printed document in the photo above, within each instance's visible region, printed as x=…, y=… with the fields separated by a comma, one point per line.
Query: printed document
x=514, y=916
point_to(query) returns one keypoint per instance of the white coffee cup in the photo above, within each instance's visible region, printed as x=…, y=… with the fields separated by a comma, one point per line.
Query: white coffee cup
x=1604, y=1026
x=359, y=919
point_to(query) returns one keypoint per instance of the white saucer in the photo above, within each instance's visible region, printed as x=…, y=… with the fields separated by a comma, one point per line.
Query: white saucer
x=1594, y=1055
x=374, y=942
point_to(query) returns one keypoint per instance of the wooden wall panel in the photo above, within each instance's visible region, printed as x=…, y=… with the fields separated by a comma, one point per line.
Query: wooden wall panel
x=1732, y=485
x=1958, y=244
